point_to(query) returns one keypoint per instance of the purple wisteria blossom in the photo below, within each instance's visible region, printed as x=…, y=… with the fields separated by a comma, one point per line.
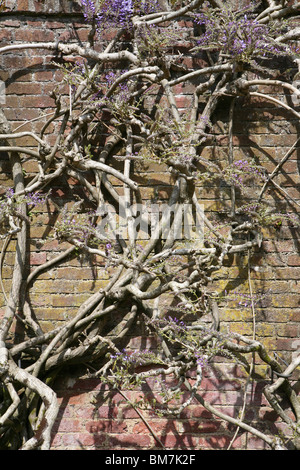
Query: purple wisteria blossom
x=89, y=9
x=32, y=199
x=239, y=173
x=238, y=36
x=116, y=13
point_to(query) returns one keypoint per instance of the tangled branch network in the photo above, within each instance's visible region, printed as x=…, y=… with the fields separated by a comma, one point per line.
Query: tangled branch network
x=165, y=258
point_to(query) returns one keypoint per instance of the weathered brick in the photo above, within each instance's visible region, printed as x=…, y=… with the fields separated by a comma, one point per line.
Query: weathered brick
x=106, y=426
x=69, y=300
x=125, y=441
x=23, y=88
x=218, y=442
x=38, y=258
x=40, y=101
x=55, y=286
x=34, y=35
x=74, y=273
x=179, y=441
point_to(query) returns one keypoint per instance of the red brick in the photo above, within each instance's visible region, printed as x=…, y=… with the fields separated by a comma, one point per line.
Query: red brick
x=22, y=5
x=106, y=426
x=43, y=76
x=70, y=425
x=73, y=273
x=183, y=101
x=5, y=36
x=77, y=441
x=22, y=88
x=34, y=35
x=38, y=258
x=41, y=101
x=159, y=426
x=133, y=441
x=179, y=441
x=11, y=101
x=218, y=442
x=293, y=260
x=17, y=62
x=200, y=426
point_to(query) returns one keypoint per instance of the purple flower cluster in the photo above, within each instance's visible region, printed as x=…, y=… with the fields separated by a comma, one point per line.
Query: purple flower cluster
x=89, y=9
x=244, y=299
x=11, y=207
x=200, y=358
x=249, y=168
x=176, y=324
x=74, y=225
x=35, y=199
x=240, y=170
x=119, y=100
x=267, y=218
x=9, y=194
x=11, y=200
x=276, y=219
x=249, y=208
x=111, y=77
x=116, y=13
x=240, y=37
x=136, y=358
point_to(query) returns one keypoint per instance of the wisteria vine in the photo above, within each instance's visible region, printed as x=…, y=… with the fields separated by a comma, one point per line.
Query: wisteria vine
x=130, y=101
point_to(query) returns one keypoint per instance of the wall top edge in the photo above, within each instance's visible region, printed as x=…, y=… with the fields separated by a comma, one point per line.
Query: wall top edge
x=38, y=7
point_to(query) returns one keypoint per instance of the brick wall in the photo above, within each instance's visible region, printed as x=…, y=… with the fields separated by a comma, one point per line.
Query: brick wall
x=92, y=416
